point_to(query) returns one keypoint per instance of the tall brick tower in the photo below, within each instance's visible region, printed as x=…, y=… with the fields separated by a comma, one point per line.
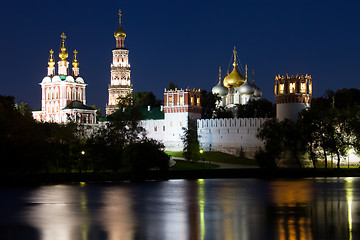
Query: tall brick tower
x=120, y=85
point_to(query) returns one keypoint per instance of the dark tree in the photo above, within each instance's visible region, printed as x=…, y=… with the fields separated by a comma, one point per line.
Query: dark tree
x=143, y=99
x=172, y=86
x=191, y=143
x=208, y=103
x=261, y=108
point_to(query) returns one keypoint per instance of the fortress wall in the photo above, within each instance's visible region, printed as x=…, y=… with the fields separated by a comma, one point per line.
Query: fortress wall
x=155, y=129
x=230, y=135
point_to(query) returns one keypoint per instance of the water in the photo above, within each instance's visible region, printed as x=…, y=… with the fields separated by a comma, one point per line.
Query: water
x=227, y=209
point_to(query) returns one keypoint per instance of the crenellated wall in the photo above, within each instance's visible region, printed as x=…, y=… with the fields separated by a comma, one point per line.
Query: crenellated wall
x=230, y=135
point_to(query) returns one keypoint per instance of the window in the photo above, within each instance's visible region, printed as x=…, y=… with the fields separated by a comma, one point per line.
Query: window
x=164, y=128
x=310, y=88
x=292, y=87
x=198, y=101
x=155, y=128
x=171, y=123
x=303, y=87
x=275, y=89
x=181, y=100
x=170, y=99
x=192, y=101
x=180, y=123
x=281, y=88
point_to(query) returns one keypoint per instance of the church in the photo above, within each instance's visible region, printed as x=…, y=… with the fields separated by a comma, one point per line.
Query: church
x=63, y=94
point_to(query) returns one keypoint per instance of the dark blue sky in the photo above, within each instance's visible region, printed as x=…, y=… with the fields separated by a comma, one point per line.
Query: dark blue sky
x=181, y=41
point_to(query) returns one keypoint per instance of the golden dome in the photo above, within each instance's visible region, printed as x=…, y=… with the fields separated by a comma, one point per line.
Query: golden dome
x=51, y=60
x=63, y=55
x=75, y=62
x=234, y=79
x=120, y=33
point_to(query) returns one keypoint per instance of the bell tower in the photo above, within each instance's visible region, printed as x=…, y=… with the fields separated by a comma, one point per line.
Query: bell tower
x=120, y=85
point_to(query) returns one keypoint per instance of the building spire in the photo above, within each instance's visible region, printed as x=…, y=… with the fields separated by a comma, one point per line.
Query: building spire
x=63, y=64
x=235, y=53
x=253, y=72
x=219, y=74
x=119, y=17
x=63, y=55
x=75, y=62
x=120, y=34
x=75, y=65
x=246, y=68
x=51, y=68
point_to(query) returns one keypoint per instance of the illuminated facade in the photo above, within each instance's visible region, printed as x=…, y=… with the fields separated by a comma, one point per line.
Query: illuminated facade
x=120, y=85
x=235, y=89
x=292, y=95
x=179, y=107
x=63, y=95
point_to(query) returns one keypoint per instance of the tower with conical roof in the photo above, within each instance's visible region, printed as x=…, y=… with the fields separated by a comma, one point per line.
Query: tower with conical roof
x=120, y=85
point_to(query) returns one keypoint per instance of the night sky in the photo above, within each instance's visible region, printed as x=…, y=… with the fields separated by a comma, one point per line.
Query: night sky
x=184, y=42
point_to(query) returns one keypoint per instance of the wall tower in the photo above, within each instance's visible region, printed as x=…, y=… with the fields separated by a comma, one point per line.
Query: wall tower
x=292, y=95
x=120, y=85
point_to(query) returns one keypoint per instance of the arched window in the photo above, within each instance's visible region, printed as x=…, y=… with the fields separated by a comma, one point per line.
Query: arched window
x=68, y=93
x=79, y=95
x=74, y=94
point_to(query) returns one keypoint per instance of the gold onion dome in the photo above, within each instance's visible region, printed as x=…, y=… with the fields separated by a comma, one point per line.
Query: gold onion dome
x=51, y=60
x=75, y=62
x=120, y=33
x=63, y=55
x=234, y=79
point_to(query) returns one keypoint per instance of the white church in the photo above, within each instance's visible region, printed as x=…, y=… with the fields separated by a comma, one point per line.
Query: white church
x=63, y=94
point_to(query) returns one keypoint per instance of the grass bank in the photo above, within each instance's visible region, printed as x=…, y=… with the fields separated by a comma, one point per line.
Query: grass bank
x=214, y=157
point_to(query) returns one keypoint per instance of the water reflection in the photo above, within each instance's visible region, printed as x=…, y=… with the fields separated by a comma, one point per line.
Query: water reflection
x=199, y=209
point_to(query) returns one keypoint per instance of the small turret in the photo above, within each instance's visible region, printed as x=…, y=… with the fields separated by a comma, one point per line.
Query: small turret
x=75, y=64
x=292, y=95
x=63, y=64
x=51, y=67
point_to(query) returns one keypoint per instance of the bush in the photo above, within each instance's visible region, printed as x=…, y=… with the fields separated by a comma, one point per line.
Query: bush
x=265, y=160
x=145, y=155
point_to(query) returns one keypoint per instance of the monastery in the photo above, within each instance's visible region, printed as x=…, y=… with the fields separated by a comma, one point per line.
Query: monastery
x=64, y=100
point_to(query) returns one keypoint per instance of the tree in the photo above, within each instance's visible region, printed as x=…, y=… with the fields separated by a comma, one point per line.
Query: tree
x=144, y=155
x=222, y=112
x=172, y=86
x=98, y=112
x=281, y=137
x=261, y=108
x=208, y=104
x=143, y=99
x=190, y=140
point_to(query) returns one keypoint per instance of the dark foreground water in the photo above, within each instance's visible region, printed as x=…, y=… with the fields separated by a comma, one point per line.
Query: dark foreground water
x=227, y=209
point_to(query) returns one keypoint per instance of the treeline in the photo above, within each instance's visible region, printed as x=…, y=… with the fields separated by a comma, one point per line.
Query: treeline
x=330, y=127
x=119, y=145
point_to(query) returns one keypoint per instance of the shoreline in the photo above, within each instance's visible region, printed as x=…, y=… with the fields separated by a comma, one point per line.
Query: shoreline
x=156, y=175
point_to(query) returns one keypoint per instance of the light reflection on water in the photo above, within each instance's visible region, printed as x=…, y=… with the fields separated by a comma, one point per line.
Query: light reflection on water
x=184, y=209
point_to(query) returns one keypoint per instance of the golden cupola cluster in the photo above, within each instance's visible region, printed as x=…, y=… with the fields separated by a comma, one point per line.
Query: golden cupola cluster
x=235, y=78
x=63, y=55
x=120, y=33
